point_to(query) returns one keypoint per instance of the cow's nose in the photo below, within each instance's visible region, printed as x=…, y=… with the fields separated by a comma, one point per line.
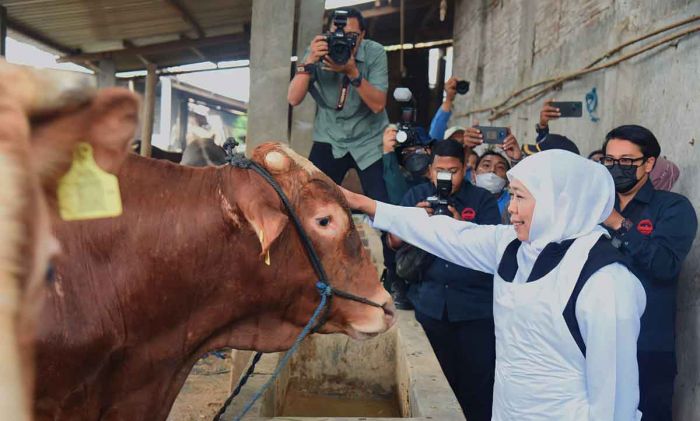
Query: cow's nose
x=389, y=313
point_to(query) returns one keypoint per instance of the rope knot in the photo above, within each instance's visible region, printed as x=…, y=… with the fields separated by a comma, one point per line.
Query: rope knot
x=324, y=289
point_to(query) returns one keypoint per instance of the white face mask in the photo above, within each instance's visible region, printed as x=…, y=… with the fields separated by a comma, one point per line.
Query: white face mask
x=491, y=182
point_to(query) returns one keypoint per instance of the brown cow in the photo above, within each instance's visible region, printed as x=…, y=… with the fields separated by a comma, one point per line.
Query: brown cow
x=29, y=169
x=137, y=299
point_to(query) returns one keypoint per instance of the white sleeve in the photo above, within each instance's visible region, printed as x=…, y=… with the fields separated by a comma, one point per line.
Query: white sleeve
x=463, y=243
x=608, y=312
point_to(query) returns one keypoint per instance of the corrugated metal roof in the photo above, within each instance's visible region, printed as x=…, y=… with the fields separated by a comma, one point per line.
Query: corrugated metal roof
x=86, y=26
x=176, y=32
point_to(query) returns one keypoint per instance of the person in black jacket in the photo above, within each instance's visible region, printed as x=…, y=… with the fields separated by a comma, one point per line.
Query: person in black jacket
x=454, y=304
x=655, y=229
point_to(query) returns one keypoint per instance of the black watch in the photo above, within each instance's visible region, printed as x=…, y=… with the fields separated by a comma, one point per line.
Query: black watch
x=357, y=81
x=625, y=226
x=305, y=68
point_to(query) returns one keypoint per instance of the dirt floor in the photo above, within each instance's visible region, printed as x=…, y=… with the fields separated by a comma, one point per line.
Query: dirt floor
x=204, y=391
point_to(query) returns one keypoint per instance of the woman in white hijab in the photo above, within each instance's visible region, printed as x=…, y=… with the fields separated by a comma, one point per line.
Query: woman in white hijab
x=566, y=308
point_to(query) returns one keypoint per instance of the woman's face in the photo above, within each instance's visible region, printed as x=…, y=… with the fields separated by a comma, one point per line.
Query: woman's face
x=521, y=208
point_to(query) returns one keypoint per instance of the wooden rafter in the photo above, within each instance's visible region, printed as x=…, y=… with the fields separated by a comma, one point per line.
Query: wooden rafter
x=159, y=48
x=37, y=36
x=187, y=16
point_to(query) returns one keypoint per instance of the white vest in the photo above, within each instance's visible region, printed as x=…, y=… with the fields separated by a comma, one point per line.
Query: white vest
x=540, y=370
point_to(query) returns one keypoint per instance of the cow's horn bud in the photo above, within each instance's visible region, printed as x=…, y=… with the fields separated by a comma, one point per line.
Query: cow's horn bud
x=277, y=161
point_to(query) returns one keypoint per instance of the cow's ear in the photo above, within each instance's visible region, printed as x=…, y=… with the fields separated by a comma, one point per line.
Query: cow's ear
x=116, y=115
x=267, y=221
x=108, y=123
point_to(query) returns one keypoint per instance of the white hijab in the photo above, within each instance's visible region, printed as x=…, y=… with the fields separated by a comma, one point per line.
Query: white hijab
x=573, y=196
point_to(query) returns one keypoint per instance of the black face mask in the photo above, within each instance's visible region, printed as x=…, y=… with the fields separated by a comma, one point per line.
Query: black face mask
x=417, y=163
x=625, y=177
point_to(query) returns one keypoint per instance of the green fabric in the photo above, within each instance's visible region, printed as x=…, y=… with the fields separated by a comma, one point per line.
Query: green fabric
x=395, y=181
x=355, y=128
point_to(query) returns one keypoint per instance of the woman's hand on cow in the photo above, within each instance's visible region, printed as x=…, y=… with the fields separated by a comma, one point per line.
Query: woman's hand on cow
x=359, y=202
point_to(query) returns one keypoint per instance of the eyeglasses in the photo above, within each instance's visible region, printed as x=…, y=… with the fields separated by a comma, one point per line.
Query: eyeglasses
x=623, y=162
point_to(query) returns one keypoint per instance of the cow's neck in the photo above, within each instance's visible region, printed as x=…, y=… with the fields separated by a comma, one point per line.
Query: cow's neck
x=170, y=279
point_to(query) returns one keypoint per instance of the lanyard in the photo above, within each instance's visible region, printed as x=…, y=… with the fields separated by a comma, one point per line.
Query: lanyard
x=343, y=95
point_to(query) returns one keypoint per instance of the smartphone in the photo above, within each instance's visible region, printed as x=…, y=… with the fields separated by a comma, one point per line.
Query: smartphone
x=493, y=135
x=569, y=108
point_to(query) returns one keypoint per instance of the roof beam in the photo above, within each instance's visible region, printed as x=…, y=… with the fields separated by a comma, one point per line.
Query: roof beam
x=128, y=44
x=37, y=36
x=160, y=48
x=186, y=15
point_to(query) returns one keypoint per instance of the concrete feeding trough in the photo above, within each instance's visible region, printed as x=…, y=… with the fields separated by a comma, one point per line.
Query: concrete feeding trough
x=332, y=377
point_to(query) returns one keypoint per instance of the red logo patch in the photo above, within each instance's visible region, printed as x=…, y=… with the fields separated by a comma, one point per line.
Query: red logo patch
x=468, y=214
x=645, y=227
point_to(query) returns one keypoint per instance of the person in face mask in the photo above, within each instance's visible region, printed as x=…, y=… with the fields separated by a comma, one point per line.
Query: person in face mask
x=490, y=174
x=566, y=307
x=655, y=229
x=404, y=166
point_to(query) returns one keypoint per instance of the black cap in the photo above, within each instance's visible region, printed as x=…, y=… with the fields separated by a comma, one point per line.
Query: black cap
x=552, y=141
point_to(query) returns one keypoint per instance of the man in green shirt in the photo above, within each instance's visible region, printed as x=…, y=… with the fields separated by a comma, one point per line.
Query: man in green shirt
x=350, y=100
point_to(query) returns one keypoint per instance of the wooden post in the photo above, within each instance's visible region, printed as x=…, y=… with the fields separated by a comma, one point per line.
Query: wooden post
x=148, y=108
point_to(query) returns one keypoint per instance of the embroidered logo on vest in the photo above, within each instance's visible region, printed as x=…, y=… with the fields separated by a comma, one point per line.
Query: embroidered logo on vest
x=645, y=227
x=468, y=214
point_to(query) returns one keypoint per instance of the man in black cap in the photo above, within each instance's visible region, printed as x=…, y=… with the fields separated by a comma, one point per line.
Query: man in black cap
x=551, y=141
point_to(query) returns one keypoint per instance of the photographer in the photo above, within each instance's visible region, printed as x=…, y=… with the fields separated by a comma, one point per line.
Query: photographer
x=350, y=99
x=405, y=165
x=454, y=304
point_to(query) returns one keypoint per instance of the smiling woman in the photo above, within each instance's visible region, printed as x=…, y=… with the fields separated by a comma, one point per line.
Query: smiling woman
x=566, y=309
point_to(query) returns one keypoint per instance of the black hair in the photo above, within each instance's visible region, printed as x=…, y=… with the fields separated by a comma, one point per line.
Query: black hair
x=596, y=152
x=487, y=153
x=447, y=147
x=640, y=136
x=352, y=13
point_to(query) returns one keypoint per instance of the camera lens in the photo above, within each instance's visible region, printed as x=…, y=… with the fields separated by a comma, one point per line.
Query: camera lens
x=462, y=87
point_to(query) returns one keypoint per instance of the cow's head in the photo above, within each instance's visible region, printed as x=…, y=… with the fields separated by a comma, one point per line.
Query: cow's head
x=43, y=115
x=326, y=218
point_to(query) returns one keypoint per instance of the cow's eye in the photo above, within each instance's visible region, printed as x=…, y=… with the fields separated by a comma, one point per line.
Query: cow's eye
x=324, y=221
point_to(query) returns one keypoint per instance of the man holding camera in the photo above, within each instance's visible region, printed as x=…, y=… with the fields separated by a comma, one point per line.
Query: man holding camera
x=454, y=304
x=347, y=76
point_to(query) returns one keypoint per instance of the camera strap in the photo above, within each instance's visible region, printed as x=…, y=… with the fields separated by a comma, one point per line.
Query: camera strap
x=343, y=95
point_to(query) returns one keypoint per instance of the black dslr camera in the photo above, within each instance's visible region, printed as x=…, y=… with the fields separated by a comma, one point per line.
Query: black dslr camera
x=440, y=201
x=340, y=45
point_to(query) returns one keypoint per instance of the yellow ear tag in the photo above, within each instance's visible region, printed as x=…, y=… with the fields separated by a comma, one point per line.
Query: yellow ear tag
x=267, y=255
x=87, y=191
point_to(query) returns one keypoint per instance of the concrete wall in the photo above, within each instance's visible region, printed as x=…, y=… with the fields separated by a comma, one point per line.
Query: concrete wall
x=502, y=45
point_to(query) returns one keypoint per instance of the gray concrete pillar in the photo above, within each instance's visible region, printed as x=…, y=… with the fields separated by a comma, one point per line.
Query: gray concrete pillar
x=271, y=37
x=106, y=77
x=310, y=24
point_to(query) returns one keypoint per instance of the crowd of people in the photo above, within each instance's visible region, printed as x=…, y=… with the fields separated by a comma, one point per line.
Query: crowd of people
x=545, y=281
